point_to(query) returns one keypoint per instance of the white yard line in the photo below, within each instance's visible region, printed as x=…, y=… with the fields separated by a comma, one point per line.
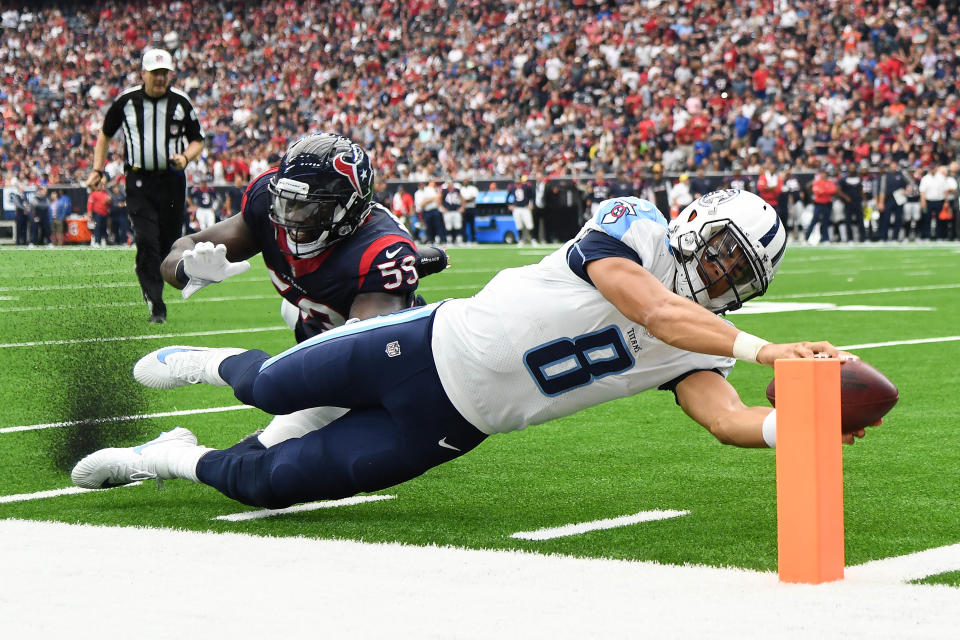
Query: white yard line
x=163, y=414
x=754, y=308
x=97, y=285
x=187, y=412
x=912, y=566
x=158, y=336
x=860, y=292
x=55, y=493
x=139, y=303
x=897, y=343
x=301, y=508
x=596, y=525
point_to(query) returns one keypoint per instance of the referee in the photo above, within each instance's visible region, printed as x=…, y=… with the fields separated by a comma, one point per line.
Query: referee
x=163, y=135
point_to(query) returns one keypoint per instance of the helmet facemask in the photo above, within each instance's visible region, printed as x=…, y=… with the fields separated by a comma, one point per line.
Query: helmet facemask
x=722, y=271
x=311, y=222
x=728, y=245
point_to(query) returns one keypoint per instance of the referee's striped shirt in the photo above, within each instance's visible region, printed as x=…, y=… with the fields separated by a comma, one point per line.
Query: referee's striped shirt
x=155, y=129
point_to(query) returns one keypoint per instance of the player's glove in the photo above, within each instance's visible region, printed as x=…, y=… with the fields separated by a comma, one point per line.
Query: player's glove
x=206, y=264
x=431, y=260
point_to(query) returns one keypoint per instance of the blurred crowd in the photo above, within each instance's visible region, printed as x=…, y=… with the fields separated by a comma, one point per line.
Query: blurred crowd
x=437, y=88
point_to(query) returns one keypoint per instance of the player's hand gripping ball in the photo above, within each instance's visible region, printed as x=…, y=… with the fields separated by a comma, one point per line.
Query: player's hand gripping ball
x=866, y=395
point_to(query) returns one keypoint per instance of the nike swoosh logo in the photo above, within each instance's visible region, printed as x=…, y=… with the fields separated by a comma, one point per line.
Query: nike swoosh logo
x=443, y=443
x=391, y=254
x=163, y=353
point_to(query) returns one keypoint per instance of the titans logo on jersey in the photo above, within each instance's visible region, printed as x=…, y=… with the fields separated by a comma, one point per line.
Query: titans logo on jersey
x=379, y=257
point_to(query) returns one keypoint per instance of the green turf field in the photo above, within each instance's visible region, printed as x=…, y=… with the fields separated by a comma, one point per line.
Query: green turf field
x=73, y=324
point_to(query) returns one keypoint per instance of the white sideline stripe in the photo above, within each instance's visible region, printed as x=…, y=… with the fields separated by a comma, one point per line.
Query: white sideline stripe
x=53, y=493
x=143, y=416
x=44, y=343
x=608, y=523
x=912, y=566
x=300, y=508
x=421, y=592
x=897, y=343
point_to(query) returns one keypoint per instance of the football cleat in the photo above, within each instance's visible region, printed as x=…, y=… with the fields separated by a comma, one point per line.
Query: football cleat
x=177, y=366
x=115, y=467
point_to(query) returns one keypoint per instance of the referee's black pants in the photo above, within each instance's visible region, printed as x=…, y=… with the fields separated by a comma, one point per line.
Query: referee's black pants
x=156, y=201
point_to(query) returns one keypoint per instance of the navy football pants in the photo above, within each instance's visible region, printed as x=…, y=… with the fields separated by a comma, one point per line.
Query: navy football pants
x=401, y=422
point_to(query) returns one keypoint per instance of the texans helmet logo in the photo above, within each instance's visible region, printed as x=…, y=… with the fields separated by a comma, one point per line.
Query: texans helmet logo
x=356, y=169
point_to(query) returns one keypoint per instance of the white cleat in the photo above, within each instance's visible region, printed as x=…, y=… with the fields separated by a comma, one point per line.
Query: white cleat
x=114, y=467
x=176, y=366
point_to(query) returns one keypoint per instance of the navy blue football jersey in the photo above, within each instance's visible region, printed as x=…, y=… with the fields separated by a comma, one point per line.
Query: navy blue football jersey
x=379, y=257
x=203, y=198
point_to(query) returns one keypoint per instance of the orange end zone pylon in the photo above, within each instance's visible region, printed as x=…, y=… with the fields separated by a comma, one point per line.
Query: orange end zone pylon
x=809, y=471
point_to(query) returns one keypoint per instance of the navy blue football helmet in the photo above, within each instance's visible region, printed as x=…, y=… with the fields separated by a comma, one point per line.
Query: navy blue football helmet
x=322, y=193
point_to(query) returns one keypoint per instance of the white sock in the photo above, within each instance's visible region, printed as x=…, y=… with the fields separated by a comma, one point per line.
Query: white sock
x=176, y=461
x=212, y=366
x=298, y=424
x=769, y=429
x=186, y=465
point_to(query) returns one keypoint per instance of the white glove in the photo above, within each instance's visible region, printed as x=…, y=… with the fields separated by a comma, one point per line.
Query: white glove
x=206, y=264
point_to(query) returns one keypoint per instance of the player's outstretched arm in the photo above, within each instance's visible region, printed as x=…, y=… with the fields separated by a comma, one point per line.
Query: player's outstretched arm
x=682, y=323
x=183, y=265
x=711, y=401
x=431, y=260
x=679, y=322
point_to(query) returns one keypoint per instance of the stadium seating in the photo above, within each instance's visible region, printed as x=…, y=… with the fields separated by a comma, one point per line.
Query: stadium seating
x=497, y=88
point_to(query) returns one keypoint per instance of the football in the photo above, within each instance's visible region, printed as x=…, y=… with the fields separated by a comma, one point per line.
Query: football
x=866, y=395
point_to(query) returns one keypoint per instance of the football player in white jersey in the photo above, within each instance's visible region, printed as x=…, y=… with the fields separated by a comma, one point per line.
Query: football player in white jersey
x=628, y=305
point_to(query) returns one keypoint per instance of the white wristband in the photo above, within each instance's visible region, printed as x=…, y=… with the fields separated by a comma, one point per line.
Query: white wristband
x=746, y=346
x=769, y=429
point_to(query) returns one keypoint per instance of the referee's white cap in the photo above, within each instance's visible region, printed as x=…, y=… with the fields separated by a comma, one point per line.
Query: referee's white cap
x=157, y=59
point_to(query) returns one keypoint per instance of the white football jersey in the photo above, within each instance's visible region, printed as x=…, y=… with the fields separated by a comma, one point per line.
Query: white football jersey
x=539, y=342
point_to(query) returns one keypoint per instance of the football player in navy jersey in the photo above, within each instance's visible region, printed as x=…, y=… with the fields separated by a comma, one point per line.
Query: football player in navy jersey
x=331, y=251
x=626, y=306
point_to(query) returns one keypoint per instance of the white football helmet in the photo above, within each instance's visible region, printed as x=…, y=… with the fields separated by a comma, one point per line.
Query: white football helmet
x=728, y=245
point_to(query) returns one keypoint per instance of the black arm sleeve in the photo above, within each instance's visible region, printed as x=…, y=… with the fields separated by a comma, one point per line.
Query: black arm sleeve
x=671, y=385
x=431, y=260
